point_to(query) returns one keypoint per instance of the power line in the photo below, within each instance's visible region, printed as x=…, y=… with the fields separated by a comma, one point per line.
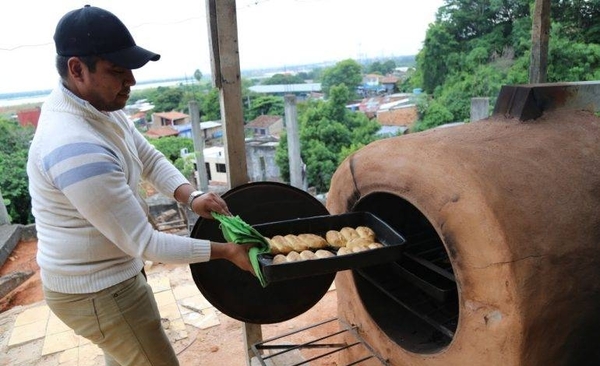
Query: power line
x=37, y=45
x=25, y=46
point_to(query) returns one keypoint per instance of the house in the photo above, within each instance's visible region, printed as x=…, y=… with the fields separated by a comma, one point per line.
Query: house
x=29, y=117
x=265, y=125
x=389, y=131
x=260, y=161
x=401, y=71
x=371, y=105
x=390, y=110
x=138, y=111
x=211, y=130
x=302, y=91
x=161, y=131
x=371, y=85
x=398, y=112
x=139, y=119
x=216, y=165
x=169, y=119
x=389, y=83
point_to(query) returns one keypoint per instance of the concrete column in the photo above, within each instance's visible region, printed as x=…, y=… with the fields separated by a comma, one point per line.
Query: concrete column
x=4, y=219
x=198, y=145
x=293, y=136
x=480, y=108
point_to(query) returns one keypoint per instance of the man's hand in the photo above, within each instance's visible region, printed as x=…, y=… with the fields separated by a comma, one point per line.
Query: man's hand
x=210, y=202
x=235, y=253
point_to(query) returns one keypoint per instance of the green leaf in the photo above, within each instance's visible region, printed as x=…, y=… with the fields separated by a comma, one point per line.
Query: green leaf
x=236, y=230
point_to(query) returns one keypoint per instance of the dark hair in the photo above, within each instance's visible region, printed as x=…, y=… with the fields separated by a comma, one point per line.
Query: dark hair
x=63, y=68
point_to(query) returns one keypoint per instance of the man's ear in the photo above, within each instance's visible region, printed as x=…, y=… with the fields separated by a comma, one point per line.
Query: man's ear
x=76, y=68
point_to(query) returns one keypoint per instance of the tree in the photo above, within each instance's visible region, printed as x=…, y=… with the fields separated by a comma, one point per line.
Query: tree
x=375, y=68
x=383, y=68
x=14, y=148
x=474, y=47
x=328, y=133
x=198, y=75
x=210, y=106
x=433, y=60
x=279, y=79
x=579, y=19
x=435, y=115
x=388, y=67
x=167, y=98
x=570, y=60
x=267, y=105
x=347, y=72
x=171, y=146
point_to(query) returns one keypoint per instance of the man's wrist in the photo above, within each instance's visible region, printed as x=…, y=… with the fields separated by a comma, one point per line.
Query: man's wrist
x=192, y=197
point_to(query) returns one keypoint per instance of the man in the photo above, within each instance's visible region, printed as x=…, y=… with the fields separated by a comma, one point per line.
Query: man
x=85, y=163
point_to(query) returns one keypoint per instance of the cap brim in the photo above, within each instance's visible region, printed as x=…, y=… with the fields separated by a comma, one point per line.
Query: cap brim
x=132, y=57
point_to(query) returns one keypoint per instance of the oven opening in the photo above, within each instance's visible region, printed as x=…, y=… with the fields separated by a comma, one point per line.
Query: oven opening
x=415, y=299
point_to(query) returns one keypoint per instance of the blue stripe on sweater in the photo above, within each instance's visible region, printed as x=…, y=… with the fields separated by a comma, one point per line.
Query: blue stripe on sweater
x=83, y=172
x=75, y=149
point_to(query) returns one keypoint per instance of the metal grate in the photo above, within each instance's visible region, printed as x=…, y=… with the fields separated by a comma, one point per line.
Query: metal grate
x=321, y=346
x=432, y=254
x=440, y=314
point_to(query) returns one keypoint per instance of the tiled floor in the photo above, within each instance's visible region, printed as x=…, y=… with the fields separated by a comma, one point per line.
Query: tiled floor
x=38, y=337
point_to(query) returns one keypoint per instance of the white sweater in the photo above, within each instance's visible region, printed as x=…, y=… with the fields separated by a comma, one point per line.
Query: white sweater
x=84, y=171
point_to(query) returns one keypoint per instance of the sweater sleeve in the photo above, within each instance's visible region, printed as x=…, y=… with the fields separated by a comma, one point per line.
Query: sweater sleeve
x=92, y=179
x=157, y=169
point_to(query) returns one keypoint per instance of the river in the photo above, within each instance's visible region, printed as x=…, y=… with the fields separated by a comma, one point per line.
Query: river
x=35, y=97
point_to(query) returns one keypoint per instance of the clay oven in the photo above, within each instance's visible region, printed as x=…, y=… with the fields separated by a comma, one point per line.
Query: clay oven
x=502, y=221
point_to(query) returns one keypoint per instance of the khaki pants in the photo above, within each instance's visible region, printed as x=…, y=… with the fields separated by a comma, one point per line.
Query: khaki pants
x=123, y=320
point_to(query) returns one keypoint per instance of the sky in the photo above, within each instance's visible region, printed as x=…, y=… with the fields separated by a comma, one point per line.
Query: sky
x=271, y=33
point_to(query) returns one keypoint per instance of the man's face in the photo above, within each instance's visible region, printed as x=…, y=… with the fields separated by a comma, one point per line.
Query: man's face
x=108, y=87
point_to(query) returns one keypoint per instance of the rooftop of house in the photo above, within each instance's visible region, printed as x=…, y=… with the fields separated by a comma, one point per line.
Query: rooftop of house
x=171, y=115
x=210, y=124
x=389, y=80
x=287, y=88
x=161, y=131
x=263, y=121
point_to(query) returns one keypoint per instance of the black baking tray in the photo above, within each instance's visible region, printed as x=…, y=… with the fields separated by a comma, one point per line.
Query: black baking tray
x=392, y=241
x=436, y=285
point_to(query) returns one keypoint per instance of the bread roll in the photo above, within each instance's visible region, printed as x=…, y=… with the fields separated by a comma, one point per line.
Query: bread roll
x=313, y=241
x=284, y=244
x=366, y=233
x=279, y=245
x=375, y=245
x=359, y=248
x=358, y=242
x=295, y=243
x=279, y=258
x=335, y=239
x=292, y=257
x=344, y=251
x=322, y=253
x=349, y=233
x=273, y=248
x=307, y=255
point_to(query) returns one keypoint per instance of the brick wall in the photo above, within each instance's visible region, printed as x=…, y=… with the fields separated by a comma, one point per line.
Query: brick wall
x=398, y=117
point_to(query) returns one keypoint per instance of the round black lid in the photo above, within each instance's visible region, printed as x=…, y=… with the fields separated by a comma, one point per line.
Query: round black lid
x=239, y=294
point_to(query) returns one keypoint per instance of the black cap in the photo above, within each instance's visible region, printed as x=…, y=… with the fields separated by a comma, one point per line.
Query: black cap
x=92, y=31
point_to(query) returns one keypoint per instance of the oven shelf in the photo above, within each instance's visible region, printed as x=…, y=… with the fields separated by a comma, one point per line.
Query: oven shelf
x=323, y=345
x=441, y=316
